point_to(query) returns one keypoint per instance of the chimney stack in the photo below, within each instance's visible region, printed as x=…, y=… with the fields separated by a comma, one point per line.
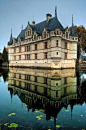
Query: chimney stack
x=33, y=22
x=48, y=17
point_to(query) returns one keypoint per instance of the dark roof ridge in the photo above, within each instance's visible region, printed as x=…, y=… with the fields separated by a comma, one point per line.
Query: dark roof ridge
x=41, y=22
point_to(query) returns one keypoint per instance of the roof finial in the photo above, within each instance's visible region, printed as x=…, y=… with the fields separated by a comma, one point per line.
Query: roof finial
x=56, y=11
x=22, y=26
x=72, y=19
x=11, y=36
x=11, y=30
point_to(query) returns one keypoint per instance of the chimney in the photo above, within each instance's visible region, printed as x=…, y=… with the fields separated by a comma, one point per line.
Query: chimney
x=48, y=17
x=33, y=22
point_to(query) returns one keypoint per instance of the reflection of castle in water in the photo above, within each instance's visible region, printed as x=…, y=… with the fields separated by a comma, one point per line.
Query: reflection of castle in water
x=50, y=90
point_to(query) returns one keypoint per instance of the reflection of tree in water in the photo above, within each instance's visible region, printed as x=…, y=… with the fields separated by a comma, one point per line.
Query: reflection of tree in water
x=5, y=74
x=82, y=93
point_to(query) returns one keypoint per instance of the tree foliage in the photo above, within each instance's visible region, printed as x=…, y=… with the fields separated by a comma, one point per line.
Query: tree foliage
x=5, y=55
x=81, y=33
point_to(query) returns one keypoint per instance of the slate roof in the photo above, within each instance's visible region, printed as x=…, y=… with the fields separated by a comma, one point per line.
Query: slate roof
x=72, y=31
x=22, y=34
x=50, y=26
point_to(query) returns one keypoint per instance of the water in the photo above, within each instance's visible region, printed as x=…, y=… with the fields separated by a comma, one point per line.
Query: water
x=42, y=99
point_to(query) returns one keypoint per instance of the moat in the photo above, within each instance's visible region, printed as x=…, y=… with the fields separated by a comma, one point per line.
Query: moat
x=32, y=99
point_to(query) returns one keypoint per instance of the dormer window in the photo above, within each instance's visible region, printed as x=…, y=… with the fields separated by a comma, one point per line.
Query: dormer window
x=34, y=37
x=44, y=34
x=66, y=34
x=29, y=33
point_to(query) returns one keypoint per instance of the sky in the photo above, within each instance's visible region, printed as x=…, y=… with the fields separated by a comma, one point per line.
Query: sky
x=15, y=13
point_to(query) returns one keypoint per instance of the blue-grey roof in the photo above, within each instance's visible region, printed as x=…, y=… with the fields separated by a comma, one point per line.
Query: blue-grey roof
x=22, y=34
x=11, y=39
x=72, y=31
x=50, y=26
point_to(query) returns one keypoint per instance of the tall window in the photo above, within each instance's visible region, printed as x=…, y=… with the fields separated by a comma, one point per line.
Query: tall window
x=65, y=56
x=27, y=48
x=65, y=80
x=35, y=78
x=45, y=55
x=45, y=45
x=27, y=57
x=45, y=80
x=57, y=43
x=65, y=45
x=35, y=56
x=35, y=46
x=29, y=33
x=19, y=57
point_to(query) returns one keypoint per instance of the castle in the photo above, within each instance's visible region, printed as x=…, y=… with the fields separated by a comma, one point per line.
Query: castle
x=46, y=44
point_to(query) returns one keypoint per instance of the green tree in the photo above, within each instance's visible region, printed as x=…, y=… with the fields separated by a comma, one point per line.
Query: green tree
x=5, y=55
x=81, y=33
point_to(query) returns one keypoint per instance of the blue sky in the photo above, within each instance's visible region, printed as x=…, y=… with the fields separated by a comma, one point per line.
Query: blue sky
x=15, y=13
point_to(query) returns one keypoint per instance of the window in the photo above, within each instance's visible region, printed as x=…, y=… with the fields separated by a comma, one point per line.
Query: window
x=29, y=33
x=26, y=48
x=35, y=87
x=56, y=93
x=65, y=90
x=45, y=80
x=14, y=75
x=27, y=57
x=66, y=34
x=65, y=80
x=45, y=90
x=35, y=56
x=35, y=46
x=56, y=84
x=44, y=34
x=20, y=57
x=65, y=56
x=45, y=45
x=65, y=45
x=45, y=55
x=35, y=78
x=19, y=76
x=57, y=43
x=57, y=53
x=14, y=57
x=34, y=37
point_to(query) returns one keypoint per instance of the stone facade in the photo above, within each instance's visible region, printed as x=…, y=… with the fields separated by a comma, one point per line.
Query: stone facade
x=51, y=47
